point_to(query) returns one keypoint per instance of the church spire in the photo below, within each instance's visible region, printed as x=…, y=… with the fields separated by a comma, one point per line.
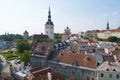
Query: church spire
x=49, y=22
x=49, y=26
x=49, y=14
x=107, y=25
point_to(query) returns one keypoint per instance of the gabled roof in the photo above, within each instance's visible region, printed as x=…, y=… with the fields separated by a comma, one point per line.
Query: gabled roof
x=43, y=72
x=82, y=59
x=37, y=48
x=108, y=66
x=109, y=58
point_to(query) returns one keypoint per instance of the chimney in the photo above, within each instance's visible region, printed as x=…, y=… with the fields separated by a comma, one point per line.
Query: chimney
x=49, y=76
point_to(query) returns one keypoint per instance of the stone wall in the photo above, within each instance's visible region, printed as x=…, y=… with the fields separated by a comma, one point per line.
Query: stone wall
x=68, y=70
x=108, y=75
x=79, y=73
x=37, y=60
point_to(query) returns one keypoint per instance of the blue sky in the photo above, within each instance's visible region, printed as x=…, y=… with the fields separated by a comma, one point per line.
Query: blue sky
x=16, y=16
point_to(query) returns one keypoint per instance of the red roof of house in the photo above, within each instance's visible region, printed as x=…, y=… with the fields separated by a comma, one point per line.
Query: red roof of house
x=38, y=71
x=82, y=59
x=108, y=58
x=36, y=48
x=115, y=52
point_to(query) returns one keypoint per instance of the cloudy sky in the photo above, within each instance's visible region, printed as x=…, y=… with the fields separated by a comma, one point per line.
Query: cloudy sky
x=16, y=16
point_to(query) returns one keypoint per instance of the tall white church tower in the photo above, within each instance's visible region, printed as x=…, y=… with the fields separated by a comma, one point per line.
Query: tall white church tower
x=49, y=26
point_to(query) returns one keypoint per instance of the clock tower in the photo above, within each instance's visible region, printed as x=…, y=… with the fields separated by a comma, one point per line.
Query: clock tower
x=49, y=26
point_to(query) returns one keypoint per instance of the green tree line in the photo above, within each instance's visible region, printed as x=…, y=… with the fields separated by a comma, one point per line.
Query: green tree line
x=10, y=37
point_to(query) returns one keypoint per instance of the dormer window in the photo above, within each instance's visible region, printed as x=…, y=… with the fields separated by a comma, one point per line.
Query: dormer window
x=114, y=69
x=56, y=59
x=75, y=63
x=88, y=58
x=43, y=48
x=107, y=69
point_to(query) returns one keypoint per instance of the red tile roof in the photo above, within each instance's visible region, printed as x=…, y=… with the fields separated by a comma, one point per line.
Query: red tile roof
x=41, y=72
x=82, y=59
x=115, y=52
x=35, y=69
x=44, y=74
x=108, y=58
x=36, y=48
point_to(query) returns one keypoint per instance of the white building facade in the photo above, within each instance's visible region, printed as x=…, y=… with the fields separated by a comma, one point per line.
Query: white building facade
x=49, y=26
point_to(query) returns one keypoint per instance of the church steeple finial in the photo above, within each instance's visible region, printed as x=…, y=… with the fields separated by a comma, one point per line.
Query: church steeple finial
x=107, y=25
x=49, y=14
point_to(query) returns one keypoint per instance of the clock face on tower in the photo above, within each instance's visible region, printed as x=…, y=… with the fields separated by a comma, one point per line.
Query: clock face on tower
x=51, y=27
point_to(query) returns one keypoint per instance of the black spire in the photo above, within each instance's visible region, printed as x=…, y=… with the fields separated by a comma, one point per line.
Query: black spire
x=108, y=25
x=49, y=15
x=49, y=22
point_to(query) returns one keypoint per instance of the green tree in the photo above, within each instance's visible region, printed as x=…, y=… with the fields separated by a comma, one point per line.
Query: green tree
x=47, y=40
x=25, y=57
x=113, y=39
x=22, y=46
x=57, y=36
x=10, y=37
x=118, y=41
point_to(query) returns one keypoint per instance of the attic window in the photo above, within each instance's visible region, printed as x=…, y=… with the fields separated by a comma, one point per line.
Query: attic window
x=61, y=54
x=107, y=69
x=56, y=59
x=88, y=58
x=43, y=48
x=114, y=69
x=75, y=63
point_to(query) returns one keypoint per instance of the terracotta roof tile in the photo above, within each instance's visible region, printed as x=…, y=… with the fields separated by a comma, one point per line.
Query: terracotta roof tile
x=36, y=72
x=82, y=59
x=35, y=69
x=37, y=48
x=108, y=58
x=115, y=52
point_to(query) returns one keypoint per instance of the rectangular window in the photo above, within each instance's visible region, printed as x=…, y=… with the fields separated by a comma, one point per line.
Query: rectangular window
x=102, y=75
x=110, y=75
x=117, y=76
x=88, y=78
x=93, y=79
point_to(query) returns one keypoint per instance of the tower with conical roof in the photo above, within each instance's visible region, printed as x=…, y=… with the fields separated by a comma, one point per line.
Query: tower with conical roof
x=107, y=26
x=49, y=26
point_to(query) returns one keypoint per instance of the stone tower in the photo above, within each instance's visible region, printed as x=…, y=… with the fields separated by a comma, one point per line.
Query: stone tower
x=25, y=35
x=67, y=31
x=49, y=26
